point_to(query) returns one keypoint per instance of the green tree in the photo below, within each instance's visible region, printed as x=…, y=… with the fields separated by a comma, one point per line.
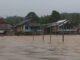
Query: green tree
x=75, y=18
x=62, y=17
x=44, y=19
x=32, y=15
x=14, y=20
x=55, y=16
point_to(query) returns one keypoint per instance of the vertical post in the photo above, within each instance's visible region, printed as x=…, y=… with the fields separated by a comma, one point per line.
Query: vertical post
x=50, y=35
x=43, y=39
x=33, y=36
x=63, y=33
x=55, y=29
x=70, y=30
x=33, y=33
x=43, y=33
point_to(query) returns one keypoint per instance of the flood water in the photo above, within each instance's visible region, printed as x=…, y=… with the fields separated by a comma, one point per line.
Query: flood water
x=25, y=48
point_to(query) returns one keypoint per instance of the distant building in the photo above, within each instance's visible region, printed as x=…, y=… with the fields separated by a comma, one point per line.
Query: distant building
x=60, y=26
x=29, y=26
x=4, y=27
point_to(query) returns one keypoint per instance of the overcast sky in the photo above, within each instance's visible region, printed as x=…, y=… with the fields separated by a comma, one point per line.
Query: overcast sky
x=40, y=7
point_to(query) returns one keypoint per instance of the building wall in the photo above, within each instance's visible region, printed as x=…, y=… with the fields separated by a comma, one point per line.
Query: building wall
x=26, y=30
x=54, y=29
x=67, y=28
x=29, y=29
x=20, y=29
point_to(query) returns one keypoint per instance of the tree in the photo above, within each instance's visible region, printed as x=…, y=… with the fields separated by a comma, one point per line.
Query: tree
x=32, y=15
x=75, y=18
x=44, y=19
x=55, y=16
x=62, y=17
x=14, y=20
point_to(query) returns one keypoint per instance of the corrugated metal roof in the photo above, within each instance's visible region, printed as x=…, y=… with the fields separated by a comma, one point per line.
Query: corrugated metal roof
x=5, y=26
x=58, y=23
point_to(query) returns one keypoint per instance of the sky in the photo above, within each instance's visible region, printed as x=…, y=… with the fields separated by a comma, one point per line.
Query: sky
x=40, y=7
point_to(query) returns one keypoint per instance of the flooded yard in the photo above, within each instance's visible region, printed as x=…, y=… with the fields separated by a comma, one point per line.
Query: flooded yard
x=27, y=48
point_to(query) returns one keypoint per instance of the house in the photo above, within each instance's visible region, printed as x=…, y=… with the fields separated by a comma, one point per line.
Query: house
x=60, y=26
x=78, y=28
x=4, y=27
x=29, y=26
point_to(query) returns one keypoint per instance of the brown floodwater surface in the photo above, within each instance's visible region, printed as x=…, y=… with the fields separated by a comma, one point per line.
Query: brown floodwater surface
x=25, y=48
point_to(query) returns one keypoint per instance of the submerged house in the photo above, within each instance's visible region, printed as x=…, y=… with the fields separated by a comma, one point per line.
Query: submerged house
x=60, y=26
x=4, y=27
x=78, y=28
x=29, y=26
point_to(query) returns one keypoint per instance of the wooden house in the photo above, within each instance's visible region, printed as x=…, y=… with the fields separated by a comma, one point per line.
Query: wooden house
x=60, y=26
x=29, y=26
x=4, y=27
x=78, y=28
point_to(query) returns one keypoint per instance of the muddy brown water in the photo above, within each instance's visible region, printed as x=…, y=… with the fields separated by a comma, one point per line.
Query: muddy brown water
x=25, y=48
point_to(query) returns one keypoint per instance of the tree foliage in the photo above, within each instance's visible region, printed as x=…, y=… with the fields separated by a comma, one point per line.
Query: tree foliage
x=73, y=17
x=14, y=20
x=44, y=19
x=32, y=15
x=55, y=16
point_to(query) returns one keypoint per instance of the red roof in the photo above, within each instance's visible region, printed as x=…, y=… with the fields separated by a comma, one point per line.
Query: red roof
x=2, y=21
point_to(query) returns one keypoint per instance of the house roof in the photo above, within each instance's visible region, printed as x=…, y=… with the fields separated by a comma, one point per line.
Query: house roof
x=61, y=21
x=5, y=26
x=23, y=22
x=2, y=21
x=58, y=23
x=26, y=21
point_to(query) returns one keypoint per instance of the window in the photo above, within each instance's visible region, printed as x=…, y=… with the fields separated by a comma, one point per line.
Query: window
x=26, y=27
x=38, y=28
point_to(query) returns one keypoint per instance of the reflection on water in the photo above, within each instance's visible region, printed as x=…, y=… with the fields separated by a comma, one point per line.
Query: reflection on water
x=24, y=48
